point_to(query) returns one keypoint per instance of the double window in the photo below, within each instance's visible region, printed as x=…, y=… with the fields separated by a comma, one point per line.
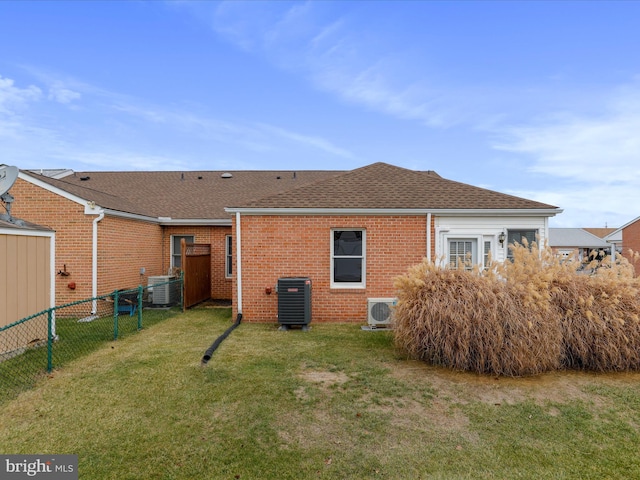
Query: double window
x=348, y=258
x=465, y=252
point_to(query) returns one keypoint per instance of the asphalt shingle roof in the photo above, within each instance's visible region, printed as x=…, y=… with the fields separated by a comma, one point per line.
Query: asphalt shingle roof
x=180, y=195
x=384, y=186
x=205, y=194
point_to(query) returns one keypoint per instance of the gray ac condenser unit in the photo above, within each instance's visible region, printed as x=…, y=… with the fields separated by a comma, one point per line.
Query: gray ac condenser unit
x=294, y=302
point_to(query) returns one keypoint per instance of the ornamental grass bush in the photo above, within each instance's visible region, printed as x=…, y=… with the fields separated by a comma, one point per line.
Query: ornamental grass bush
x=522, y=317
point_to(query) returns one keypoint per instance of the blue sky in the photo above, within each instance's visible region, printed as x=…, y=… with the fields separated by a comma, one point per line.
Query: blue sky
x=536, y=99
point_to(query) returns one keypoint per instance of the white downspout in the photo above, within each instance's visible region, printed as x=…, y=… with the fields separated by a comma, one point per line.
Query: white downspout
x=94, y=263
x=238, y=263
x=429, y=236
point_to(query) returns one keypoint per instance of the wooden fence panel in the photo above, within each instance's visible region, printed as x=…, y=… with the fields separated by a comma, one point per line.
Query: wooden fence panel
x=196, y=266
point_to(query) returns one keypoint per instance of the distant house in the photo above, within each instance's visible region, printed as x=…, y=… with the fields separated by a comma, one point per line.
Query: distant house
x=578, y=243
x=26, y=281
x=610, y=235
x=350, y=232
x=629, y=235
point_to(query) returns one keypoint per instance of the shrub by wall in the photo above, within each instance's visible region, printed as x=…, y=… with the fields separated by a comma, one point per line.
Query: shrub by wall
x=528, y=316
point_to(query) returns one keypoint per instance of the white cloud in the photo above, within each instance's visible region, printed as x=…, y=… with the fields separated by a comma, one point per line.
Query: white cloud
x=61, y=94
x=307, y=140
x=336, y=57
x=601, y=148
x=12, y=96
x=591, y=162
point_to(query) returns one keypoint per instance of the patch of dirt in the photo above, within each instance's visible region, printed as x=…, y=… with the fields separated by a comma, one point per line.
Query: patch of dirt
x=554, y=387
x=325, y=378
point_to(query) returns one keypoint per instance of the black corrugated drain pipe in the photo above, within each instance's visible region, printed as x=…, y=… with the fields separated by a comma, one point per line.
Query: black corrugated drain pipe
x=207, y=355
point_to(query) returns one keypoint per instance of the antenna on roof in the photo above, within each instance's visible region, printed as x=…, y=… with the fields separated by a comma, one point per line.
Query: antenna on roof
x=8, y=176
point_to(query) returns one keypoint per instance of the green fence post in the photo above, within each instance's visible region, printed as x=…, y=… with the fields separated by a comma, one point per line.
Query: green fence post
x=140, y=290
x=115, y=315
x=49, y=340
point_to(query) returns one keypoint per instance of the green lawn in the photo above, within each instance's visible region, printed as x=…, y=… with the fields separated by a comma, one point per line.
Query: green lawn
x=335, y=402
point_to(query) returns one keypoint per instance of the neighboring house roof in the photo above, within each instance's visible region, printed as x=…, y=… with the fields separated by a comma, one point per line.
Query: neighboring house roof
x=21, y=225
x=575, y=238
x=600, y=232
x=384, y=186
x=617, y=234
x=178, y=195
x=53, y=172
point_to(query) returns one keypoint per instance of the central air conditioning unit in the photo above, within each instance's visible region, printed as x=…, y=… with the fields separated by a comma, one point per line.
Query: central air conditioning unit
x=161, y=290
x=294, y=302
x=380, y=311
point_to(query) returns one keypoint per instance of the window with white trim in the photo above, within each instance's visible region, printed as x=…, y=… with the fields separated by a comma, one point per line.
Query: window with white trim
x=348, y=258
x=518, y=236
x=228, y=263
x=463, y=253
x=487, y=255
x=176, y=252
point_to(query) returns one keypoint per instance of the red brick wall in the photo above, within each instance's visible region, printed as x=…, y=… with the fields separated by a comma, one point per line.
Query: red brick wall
x=289, y=246
x=124, y=247
x=631, y=241
x=73, y=236
x=215, y=236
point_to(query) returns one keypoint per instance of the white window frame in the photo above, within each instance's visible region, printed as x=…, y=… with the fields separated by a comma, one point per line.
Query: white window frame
x=228, y=256
x=511, y=230
x=474, y=249
x=487, y=241
x=363, y=256
x=173, y=253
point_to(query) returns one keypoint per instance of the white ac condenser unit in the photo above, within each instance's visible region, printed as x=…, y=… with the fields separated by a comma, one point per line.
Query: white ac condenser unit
x=161, y=294
x=380, y=311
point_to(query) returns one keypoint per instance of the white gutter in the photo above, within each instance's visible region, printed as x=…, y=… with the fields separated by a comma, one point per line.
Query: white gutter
x=217, y=222
x=518, y=212
x=238, y=263
x=429, y=236
x=94, y=262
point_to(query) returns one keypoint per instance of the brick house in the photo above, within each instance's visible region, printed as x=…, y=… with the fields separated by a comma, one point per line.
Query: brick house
x=114, y=229
x=630, y=235
x=352, y=233
x=579, y=243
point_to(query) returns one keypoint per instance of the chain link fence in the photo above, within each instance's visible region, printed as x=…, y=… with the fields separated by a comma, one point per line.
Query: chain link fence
x=32, y=347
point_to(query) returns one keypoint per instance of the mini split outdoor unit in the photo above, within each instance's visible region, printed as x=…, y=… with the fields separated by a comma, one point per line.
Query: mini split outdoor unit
x=161, y=294
x=294, y=302
x=380, y=311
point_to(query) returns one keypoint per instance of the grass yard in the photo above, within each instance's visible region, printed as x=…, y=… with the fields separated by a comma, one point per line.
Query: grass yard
x=335, y=402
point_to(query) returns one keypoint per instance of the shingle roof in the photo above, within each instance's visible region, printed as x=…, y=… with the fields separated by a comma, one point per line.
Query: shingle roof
x=600, y=232
x=180, y=195
x=205, y=194
x=384, y=186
